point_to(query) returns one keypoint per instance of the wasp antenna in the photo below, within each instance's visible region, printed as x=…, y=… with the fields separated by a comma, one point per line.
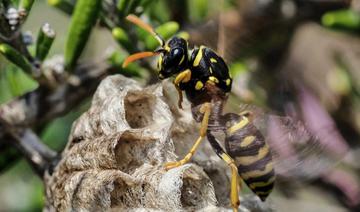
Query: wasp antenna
x=137, y=56
x=137, y=21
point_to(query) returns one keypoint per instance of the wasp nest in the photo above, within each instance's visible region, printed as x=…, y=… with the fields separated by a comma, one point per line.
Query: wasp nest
x=116, y=151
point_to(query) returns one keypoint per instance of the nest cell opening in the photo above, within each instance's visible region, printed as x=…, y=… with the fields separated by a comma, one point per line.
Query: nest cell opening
x=132, y=152
x=139, y=108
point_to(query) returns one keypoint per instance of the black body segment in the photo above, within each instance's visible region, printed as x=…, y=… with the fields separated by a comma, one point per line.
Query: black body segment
x=252, y=155
x=206, y=67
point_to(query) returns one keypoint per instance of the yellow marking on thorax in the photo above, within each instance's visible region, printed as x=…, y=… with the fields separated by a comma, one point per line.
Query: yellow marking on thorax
x=262, y=184
x=214, y=79
x=210, y=69
x=228, y=81
x=199, y=56
x=247, y=160
x=238, y=126
x=257, y=173
x=213, y=60
x=248, y=140
x=199, y=85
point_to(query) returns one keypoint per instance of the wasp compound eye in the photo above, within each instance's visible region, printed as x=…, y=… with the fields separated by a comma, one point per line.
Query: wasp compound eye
x=176, y=55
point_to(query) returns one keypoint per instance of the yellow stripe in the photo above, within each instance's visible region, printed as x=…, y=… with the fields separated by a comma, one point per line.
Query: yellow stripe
x=262, y=184
x=199, y=85
x=198, y=56
x=247, y=160
x=213, y=60
x=238, y=126
x=247, y=141
x=257, y=173
x=210, y=69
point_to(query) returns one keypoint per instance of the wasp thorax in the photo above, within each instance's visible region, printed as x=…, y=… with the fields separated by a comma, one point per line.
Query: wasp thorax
x=174, y=57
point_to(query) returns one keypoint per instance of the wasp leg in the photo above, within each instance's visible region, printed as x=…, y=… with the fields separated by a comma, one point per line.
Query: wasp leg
x=205, y=109
x=180, y=96
x=235, y=185
x=182, y=77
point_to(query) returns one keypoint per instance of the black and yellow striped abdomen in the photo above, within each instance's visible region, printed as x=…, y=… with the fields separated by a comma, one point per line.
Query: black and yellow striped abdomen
x=246, y=145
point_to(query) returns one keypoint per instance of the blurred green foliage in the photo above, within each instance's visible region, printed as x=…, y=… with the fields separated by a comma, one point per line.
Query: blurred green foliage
x=346, y=19
x=82, y=21
x=15, y=57
x=10, y=87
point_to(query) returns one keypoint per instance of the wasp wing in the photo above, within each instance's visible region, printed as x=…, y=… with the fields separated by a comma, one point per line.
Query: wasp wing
x=296, y=152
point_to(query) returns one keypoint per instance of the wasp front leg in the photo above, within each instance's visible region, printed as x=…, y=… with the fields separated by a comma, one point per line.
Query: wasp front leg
x=205, y=109
x=183, y=77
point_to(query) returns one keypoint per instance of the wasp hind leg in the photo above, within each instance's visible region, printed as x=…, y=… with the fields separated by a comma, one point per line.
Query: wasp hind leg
x=235, y=183
x=205, y=109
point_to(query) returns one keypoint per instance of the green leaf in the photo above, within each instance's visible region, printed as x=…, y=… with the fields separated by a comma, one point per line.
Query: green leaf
x=44, y=41
x=184, y=35
x=15, y=57
x=121, y=37
x=132, y=70
x=26, y=5
x=84, y=18
x=122, y=4
x=346, y=19
x=14, y=82
x=166, y=30
x=63, y=5
x=19, y=82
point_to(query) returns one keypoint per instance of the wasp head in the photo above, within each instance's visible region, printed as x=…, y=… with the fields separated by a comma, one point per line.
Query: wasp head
x=173, y=58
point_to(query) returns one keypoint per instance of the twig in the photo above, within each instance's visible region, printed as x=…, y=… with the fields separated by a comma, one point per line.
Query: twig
x=42, y=105
x=38, y=107
x=36, y=153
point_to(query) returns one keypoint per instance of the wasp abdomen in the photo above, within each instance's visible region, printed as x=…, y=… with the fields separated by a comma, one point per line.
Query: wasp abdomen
x=246, y=145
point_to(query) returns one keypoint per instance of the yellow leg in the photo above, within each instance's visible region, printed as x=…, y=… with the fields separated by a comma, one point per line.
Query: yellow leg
x=184, y=76
x=234, y=194
x=205, y=109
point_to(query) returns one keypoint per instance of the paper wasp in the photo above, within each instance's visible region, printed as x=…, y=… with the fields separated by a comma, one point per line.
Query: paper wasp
x=206, y=81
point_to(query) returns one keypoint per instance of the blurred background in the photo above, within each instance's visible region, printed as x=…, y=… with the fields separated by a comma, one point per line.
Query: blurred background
x=295, y=57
